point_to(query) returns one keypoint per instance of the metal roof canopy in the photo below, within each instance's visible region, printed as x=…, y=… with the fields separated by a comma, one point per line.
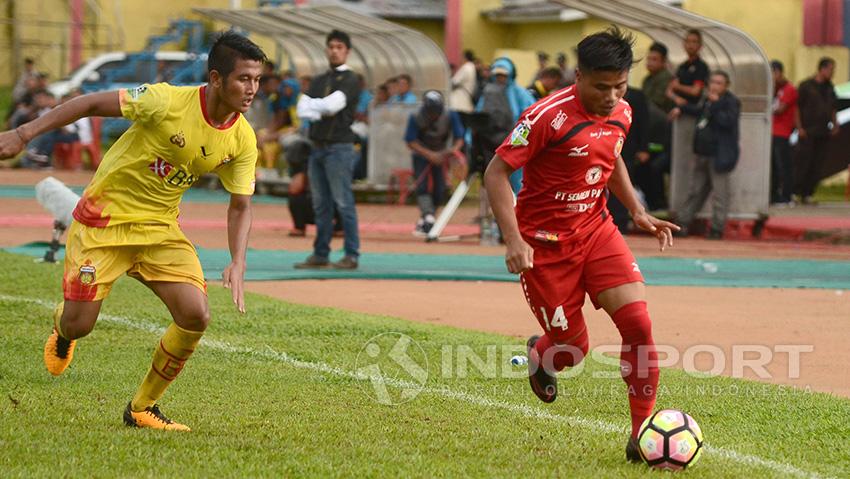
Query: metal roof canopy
x=380, y=49
x=725, y=48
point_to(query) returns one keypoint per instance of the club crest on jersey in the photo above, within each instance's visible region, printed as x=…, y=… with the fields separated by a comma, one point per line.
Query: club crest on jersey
x=161, y=167
x=178, y=139
x=135, y=93
x=618, y=147
x=559, y=120
x=87, y=273
x=593, y=175
x=519, y=137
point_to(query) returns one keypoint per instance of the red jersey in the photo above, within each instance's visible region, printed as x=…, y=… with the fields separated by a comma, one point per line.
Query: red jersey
x=568, y=155
x=783, y=124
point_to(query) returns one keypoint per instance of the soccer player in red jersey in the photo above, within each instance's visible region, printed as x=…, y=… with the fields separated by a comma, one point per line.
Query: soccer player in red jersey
x=561, y=239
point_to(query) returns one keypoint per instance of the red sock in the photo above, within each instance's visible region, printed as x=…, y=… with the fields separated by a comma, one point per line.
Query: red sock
x=638, y=360
x=571, y=352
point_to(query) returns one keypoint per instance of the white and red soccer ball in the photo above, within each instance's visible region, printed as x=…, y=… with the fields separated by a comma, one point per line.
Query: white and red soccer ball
x=670, y=439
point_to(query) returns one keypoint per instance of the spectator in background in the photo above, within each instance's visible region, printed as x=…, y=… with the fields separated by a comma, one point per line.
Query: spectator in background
x=568, y=74
x=329, y=105
x=267, y=137
x=658, y=79
x=648, y=175
x=464, y=85
x=784, y=115
x=382, y=95
x=361, y=114
x=23, y=85
x=299, y=200
x=404, y=95
x=503, y=100
x=816, y=122
x=692, y=75
x=482, y=77
x=428, y=133
x=269, y=68
x=550, y=80
x=39, y=150
x=392, y=88
x=716, y=146
x=542, y=63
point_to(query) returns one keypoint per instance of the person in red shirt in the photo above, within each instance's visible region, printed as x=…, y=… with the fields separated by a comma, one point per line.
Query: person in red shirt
x=561, y=239
x=784, y=111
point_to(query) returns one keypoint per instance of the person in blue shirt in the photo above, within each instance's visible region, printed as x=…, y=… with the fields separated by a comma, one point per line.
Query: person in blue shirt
x=405, y=82
x=428, y=133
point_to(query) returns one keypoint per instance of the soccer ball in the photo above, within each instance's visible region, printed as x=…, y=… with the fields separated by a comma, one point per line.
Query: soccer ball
x=670, y=439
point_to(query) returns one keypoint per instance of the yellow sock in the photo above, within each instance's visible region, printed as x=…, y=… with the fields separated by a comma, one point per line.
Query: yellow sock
x=57, y=318
x=175, y=347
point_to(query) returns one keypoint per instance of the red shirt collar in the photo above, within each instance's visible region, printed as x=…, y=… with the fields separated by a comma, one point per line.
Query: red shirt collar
x=228, y=124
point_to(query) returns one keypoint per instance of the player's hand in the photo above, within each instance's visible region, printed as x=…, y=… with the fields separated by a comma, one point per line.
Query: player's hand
x=802, y=133
x=519, y=256
x=233, y=278
x=663, y=230
x=836, y=129
x=10, y=144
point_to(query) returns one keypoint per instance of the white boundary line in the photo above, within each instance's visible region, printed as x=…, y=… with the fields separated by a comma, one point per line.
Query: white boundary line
x=521, y=409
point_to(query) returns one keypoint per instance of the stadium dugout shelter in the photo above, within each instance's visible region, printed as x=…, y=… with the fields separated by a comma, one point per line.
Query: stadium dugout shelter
x=380, y=50
x=725, y=48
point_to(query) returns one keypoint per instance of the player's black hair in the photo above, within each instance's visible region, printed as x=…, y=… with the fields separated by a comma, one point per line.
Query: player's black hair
x=551, y=72
x=227, y=48
x=659, y=48
x=723, y=74
x=777, y=65
x=825, y=62
x=469, y=55
x=610, y=50
x=339, y=36
x=405, y=77
x=697, y=33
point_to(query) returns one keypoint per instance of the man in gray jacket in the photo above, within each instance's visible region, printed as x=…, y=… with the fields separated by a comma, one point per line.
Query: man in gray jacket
x=716, y=139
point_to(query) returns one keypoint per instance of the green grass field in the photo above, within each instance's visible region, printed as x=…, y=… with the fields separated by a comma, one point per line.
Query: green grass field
x=275, y=393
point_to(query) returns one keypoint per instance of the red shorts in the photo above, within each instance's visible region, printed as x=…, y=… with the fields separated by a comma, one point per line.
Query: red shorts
x=564, y=271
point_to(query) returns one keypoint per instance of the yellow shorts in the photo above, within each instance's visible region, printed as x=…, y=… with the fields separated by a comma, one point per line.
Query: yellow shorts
x=96, y=257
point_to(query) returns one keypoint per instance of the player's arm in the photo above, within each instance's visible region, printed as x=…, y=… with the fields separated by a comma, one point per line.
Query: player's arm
x=238, y=227
x=519, y=256
x=621, y=186
x=93, y=104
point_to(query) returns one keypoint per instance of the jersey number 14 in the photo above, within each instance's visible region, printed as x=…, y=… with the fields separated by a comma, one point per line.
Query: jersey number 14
x=559, y=319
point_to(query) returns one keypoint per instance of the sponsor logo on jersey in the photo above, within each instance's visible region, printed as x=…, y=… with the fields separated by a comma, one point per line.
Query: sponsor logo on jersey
x=161, y=167
x=559, y=120
x=178, y=139
x=87, y=274
x=618, y=147
x=519, y=137
x=600, y=133
x=593, y=175
x=578, y=151
x=204, y=152
x=542, y=235
x=135, y=93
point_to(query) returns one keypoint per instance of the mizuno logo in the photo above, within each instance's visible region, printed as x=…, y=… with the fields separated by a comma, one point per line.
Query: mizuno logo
x=578, y=151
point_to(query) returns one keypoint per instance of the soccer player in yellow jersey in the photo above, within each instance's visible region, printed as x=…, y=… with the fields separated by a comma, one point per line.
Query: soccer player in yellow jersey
x=126, y=220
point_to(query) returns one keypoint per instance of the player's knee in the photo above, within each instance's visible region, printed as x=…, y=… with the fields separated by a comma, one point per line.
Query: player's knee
x=194, y=319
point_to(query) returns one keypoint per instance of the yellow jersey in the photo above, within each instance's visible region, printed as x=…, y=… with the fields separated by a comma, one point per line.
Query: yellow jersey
x=170, y=145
